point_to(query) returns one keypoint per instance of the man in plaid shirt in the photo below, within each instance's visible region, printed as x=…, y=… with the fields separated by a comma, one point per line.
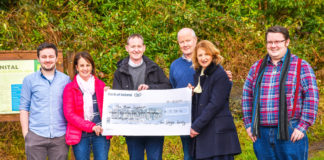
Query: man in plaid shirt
x=277, y=128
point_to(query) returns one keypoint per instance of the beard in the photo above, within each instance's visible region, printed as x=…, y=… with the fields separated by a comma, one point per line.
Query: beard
x=48, y=69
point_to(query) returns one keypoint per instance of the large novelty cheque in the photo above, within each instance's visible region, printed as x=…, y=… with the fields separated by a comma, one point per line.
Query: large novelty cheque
x=147, y=112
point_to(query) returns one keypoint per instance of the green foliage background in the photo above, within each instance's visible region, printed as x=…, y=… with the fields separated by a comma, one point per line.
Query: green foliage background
x=102, y=27
x=237, y=27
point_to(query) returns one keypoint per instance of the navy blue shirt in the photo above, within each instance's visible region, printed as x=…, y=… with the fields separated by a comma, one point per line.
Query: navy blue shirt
x=181, y=73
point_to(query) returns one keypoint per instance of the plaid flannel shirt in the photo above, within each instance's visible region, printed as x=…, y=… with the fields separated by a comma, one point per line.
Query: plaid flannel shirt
x=307, y=103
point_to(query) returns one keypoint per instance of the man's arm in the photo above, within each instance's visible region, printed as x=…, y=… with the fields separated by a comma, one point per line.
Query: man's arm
x=310, y=101
x=163, y=83
x=310, y=97
x=171, y=78
x=247, y=101
x=247, y=98
x=24, y=115
x=25, y=100
x=116, y=81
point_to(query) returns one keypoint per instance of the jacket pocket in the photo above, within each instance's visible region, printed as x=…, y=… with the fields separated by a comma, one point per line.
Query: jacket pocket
x=224, y=124
x=72, y=135
x=152, y=79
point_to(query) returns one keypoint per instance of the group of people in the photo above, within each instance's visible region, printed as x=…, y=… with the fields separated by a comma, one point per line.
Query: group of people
x=279, y=103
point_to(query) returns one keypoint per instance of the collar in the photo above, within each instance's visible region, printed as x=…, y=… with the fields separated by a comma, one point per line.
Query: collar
x=150, y=65
x=132, y=64
x=209, y=70
x=183, y=57
x=42, y=75
x=281, y=59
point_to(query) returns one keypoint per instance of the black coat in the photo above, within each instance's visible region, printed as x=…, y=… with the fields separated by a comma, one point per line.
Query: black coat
x=211, y=116
x=154, y=76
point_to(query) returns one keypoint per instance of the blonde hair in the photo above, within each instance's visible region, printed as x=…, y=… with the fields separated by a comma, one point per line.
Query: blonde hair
x=210, y=49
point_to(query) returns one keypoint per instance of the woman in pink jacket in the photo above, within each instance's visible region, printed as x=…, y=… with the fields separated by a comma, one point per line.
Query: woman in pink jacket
x=82, y=105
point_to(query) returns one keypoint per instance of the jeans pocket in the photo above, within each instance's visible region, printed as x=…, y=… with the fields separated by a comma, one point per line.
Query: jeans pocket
x=293, y=123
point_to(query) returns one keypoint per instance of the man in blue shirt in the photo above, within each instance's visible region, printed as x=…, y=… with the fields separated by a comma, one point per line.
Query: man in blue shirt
x=41, y=113
x=182, y=73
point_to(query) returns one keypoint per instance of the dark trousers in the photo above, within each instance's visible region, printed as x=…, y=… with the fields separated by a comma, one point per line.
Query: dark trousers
x=185, y=147
x=152, y=144
x=222, y=157
x=38, y=148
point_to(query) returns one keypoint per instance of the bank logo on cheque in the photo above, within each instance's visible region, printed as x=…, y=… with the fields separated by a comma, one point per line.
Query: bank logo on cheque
x=137, y=94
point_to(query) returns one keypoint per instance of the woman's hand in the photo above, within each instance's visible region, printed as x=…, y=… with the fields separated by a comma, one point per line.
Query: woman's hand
x=193, y=133
x=97, y=129
x=106, y=88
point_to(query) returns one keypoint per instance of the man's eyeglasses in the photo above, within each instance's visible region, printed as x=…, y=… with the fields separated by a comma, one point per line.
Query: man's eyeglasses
x=274, y=42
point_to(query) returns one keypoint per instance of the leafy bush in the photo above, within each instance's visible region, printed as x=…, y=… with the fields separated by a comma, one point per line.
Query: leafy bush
x=101, y=27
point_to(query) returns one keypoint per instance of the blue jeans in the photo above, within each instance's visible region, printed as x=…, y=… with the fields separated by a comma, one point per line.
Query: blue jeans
x=100, y=147
x=152, y=144
x=185, y=147
x=268, y=147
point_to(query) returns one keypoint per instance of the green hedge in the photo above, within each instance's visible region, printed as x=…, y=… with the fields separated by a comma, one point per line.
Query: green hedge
x=102, y=27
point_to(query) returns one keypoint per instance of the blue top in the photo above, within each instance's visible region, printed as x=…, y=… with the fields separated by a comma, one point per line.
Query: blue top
x=181, y=73
x=43, y=99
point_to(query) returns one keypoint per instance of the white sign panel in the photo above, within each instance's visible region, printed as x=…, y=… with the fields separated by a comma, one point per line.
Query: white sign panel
x=12, y=73
x=147, y=113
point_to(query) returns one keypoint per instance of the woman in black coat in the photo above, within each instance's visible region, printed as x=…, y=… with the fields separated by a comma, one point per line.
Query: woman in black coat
x=213, y=132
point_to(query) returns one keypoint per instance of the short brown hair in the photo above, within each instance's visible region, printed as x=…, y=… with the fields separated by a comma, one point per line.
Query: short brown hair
x=278, y=29
x=46, y=45
x=135, y=36
x=87, y=57
x=210, y=49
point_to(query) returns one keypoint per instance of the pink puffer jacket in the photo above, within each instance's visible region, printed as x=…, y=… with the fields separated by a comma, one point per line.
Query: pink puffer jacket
x=73, y=110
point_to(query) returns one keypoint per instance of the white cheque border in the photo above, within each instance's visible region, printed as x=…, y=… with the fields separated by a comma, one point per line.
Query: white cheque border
x=165, y=127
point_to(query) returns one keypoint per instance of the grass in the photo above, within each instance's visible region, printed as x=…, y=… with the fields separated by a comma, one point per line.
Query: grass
x=12, y=144
x=318, y=156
